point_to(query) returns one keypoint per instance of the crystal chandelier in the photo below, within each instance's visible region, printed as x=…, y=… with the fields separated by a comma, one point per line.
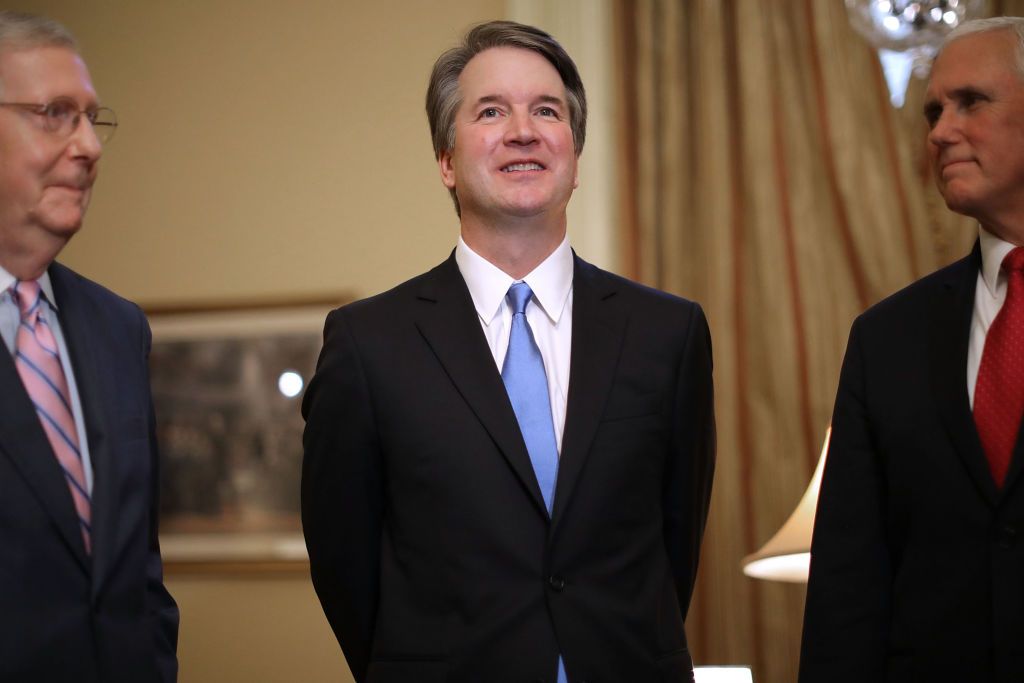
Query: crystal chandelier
x=908, y=34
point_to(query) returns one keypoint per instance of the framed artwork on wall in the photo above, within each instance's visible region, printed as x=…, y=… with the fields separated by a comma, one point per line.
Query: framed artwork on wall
x=227, y=387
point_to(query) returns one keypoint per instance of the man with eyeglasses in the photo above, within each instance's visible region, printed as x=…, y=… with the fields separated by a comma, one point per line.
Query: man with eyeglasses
x=81, y=590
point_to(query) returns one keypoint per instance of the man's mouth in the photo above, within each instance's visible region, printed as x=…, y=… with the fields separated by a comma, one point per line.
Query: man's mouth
x=953, y=162
x=78, y=185
x=522, y=166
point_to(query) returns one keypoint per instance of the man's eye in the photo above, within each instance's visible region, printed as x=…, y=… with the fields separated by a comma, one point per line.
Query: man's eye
x=970, y=99
x=60, y=110
x=547, y=111
x=489, y=113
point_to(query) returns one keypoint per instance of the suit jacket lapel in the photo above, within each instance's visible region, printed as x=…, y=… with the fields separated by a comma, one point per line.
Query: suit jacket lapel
x=449, y=324
x=597, y=331
x=951, y=315
x=80, y=326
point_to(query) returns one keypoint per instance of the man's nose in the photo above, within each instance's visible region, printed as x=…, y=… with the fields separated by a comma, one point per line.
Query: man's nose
x=84, y=144
x=945, y=131
x=522, y=128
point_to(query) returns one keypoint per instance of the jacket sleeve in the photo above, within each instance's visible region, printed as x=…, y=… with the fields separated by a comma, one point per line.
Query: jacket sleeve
x=161, y=608
x=342, y=492
x=691, y=463
x=847, y=614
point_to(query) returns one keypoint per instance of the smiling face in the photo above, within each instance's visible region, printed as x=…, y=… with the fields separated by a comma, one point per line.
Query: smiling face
x=45, y=180
x=513, y=155
x=975, y=110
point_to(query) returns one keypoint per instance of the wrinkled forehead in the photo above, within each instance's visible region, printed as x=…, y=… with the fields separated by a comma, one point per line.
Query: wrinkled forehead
x=40, y=73
x=976, y=56
x=510, y=70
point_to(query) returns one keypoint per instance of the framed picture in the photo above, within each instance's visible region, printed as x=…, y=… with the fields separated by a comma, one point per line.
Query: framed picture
x=227, y=386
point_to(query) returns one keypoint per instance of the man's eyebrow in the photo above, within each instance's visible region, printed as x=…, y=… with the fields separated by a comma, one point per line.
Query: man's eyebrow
x=499, y=99
x=551, y=99
x=967, y=91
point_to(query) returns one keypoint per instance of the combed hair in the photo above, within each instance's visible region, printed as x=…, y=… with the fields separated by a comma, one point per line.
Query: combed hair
x=1013, y=24
x=19, y=30
x=443, y=97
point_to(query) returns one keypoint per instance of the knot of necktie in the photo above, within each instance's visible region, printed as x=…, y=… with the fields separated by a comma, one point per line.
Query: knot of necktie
x=27, y=295
x=519, y=295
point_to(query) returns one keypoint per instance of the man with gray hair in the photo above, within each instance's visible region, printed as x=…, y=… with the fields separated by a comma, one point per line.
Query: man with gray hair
x=917, y=562
x=508, y=459
x=82, y=595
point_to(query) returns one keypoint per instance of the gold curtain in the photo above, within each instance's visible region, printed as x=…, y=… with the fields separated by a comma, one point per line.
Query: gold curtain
x=768, y=177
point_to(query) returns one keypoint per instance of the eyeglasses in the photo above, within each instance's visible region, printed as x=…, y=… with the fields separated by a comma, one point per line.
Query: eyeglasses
x=61, y=116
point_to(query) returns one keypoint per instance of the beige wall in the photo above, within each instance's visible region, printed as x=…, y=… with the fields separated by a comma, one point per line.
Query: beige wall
x=254, y=628
x=265, y=150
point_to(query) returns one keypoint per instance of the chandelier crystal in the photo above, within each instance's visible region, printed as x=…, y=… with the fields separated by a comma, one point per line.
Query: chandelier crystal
x=907, y=34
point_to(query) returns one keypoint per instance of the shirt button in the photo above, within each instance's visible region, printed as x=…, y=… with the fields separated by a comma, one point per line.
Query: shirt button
x=556, y=582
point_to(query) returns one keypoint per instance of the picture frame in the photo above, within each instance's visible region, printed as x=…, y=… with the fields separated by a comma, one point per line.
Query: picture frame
x=227, y=383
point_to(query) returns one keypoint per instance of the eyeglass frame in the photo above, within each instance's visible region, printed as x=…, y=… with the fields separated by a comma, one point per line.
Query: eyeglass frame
x=104, y=130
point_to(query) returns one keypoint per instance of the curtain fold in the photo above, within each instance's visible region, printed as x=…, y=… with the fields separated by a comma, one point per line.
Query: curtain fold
x=767, y=176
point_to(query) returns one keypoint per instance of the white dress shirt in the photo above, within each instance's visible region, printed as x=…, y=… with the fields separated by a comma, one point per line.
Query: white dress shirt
x=10, y=319
x=549, y=313
x=989, y=295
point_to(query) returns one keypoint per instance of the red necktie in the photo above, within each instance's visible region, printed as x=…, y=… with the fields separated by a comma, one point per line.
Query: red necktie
x=999, y=392
x=38, y=363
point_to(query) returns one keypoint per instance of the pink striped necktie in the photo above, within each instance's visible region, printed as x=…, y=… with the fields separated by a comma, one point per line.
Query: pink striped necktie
x=38, y=362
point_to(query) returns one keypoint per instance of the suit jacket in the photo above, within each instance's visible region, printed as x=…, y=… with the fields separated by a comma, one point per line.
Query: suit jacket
x=917, y=570
x=430, y=547
x=66, y=615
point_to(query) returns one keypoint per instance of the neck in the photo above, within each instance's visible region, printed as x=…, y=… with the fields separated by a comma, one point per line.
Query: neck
x=1007, y=224
x=515, y=247
x=27, y=264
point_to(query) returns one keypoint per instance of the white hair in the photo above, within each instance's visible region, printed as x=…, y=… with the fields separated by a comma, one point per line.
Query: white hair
x=1014, y=24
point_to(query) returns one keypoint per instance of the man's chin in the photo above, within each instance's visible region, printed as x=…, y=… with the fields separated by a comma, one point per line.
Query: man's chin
x=64, y=226
x=958, y=200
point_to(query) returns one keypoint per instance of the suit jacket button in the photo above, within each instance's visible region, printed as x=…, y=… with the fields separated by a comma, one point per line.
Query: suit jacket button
x=556, y=582
x=1008, y=537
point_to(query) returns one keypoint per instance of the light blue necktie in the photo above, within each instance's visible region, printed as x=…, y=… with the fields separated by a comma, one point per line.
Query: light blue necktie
x=527, y=387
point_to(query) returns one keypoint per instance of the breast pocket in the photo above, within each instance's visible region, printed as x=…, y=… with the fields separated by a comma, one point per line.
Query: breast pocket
x=622, y=406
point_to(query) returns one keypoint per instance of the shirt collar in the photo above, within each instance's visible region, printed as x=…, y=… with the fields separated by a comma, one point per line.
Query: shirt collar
x=551, y=281
x=6, y=280
x=993, y=251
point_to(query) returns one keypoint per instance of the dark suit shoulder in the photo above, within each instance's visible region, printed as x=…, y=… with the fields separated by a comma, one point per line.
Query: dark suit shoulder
x=425, y=285
x=632, y=292
x=71, y=288
x=908, y=305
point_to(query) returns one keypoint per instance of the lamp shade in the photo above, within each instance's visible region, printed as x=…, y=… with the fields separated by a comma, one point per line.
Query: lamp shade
x=787, y=555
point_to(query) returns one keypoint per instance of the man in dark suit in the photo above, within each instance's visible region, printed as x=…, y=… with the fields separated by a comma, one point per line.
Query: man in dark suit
x=917, y=569
x=456, y=531
x=82, y=597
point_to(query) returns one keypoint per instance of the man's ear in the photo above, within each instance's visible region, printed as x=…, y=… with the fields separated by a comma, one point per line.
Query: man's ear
x=444, y=163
